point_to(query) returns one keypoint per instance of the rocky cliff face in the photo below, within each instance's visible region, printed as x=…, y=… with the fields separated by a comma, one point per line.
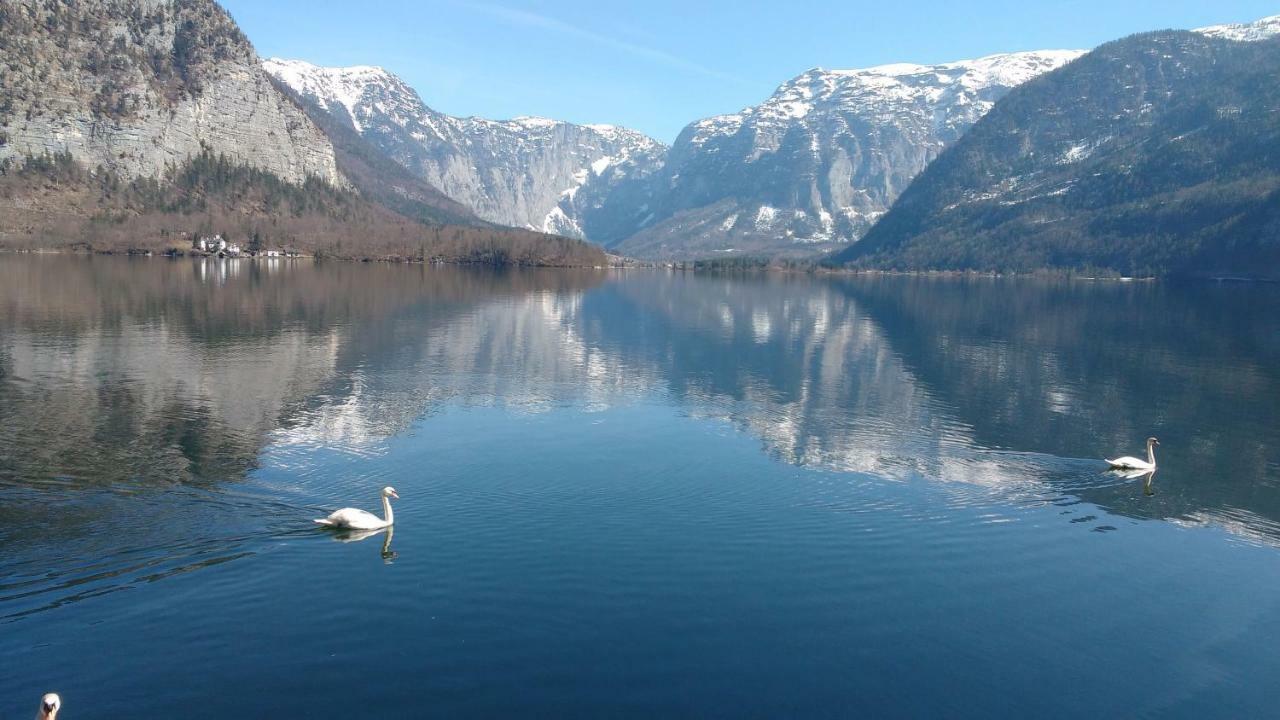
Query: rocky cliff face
x=577, y=180
x=816, y=164
x=138, y=86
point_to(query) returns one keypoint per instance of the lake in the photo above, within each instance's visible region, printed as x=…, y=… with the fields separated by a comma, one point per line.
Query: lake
x=632, y=493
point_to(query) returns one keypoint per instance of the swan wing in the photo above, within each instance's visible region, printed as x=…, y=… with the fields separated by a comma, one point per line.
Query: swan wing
x=1128, y=461
x=354, y=519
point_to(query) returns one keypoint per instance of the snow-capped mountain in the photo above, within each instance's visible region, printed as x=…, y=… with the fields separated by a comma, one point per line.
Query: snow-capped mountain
x=576, y=180
x=807, y=171
x=1151, y=155
x=1264, y=29
x=813, y=166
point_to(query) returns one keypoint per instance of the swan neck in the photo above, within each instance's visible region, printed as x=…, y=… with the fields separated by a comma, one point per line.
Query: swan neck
x=1151, y=454
x=387, y=513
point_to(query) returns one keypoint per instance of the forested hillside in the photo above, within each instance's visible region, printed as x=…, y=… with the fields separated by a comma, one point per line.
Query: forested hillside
x=1156, y=154
x=51, y=201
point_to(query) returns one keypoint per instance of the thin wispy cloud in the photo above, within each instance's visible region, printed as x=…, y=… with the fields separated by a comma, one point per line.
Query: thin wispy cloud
x=536, y=21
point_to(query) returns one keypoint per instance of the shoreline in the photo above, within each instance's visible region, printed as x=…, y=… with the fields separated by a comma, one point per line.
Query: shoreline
x=198, y=255
x=616, y=262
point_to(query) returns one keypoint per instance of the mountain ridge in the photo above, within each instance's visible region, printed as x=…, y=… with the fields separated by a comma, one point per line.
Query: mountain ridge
x=1261, y=29
x=808, y=171
x=1155, y=154
x=378, y=177
x=531, y=172
x=815, y=164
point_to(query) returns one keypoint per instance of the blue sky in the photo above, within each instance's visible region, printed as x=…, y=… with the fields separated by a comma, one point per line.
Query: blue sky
x=658, y=65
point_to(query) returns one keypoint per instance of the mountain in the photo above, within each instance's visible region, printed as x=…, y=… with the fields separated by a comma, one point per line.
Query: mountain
x=813, y=167
x=1263, y=29
x=575, y=180
x=1156, y=154
x=379, y=178
x=137, y=87
x=136, y=125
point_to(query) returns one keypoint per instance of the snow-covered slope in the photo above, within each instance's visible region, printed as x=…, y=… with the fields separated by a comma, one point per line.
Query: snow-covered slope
x=576, y=180
x=1264, y=29
x=813, y=166
x=807, y=171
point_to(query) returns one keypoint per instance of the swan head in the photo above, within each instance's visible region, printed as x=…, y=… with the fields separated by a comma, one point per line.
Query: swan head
x=1152, y=441
x=50, y=704
x=389, y=491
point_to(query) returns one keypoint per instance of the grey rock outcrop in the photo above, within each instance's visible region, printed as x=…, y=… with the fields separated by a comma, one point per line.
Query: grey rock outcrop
x=138, y=87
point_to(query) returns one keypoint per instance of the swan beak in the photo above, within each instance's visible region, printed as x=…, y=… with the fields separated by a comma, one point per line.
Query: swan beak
x=395, y=496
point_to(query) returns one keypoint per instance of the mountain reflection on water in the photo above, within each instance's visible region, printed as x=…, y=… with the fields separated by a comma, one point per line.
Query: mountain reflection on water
x=181, y=372
x=632, y=493
x=1013, y=385
x=118, y=376
x=132, y=392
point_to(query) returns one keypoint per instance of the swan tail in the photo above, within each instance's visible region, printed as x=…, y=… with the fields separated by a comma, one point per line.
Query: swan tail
x=324, y=521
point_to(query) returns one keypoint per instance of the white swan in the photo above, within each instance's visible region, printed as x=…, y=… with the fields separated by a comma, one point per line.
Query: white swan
x=50, y=704
x=353, y=519
x=1132, y=463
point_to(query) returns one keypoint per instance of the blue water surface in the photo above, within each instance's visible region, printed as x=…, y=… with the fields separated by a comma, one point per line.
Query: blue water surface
x=632, y=493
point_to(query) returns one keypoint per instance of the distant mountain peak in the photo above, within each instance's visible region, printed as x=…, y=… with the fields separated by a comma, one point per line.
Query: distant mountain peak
x=532, y=172
x=816, y=163
x=328, y=85
x=894, y=83
x=349, y=70
x=1264, y=29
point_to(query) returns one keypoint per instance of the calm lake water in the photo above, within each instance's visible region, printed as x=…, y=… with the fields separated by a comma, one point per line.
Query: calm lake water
x=632, y=494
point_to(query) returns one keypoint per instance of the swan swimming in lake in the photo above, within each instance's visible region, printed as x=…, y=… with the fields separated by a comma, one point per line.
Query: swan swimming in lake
x=353, y=519
x=50, y=704
x=1132, y=463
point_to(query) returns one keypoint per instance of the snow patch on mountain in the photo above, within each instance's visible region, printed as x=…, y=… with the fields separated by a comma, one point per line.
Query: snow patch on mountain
x=1264, y=29
x=599, y=166
x=330, y=86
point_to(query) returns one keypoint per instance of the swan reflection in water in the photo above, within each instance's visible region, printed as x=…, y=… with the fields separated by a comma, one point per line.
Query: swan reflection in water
x=350, y=536
x=1146, y=475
